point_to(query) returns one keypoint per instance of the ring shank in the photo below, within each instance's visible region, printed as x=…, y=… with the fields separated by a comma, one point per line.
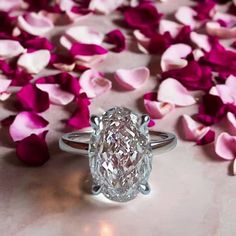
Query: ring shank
x=78, y=142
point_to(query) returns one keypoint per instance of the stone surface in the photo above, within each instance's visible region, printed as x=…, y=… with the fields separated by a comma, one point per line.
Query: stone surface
x=120, y=155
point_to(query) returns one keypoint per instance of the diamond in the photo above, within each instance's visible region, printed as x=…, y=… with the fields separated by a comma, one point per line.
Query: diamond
x=120, y=154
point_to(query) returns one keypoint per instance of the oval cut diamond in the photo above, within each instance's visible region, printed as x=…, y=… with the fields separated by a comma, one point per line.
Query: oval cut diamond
x=120, y=154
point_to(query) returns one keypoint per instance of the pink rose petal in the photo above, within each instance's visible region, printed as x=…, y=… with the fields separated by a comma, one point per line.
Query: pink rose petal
x=105, y=6
x=186, y=15
x=173, y=57
x=4, y=83
x=35, y=23
x=192, y=130
x=132, y=78
x=10, y=48
x=56, y=94
x=4, y=96
x=209, y=137
x=142, y=41
x=35, y=61
x=223, y=92
x=225, y=146
x=93, y=83
x=38, y=43
x=8, y=5
x=25, y=124
x=32, y=150
x=33, y=99
x=201, y=40
x=169, y=26
x=232, y=122
x=156, y=109
x=179, y=95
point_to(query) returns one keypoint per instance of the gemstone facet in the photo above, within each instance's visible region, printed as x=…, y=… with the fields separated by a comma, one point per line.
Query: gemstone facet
x=120, y=154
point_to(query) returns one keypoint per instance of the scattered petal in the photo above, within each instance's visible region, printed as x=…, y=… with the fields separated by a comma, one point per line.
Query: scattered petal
x=232, y=122
x=225, y=146
x=201, y=40
x=173, y=57
x=9, y=5
x=209, y=137
x=133, y=78
x=25, y=124
x=179, y=95
x=105, y=6
x=35, y=23
x=169, y=26
x=117, y=38
x=32, y=150
x=93, y=83
x=35, y=61
x=10, y=48
x=4, y=83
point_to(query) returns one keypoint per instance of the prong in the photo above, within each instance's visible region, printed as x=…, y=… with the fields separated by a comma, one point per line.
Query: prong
x=94, y=120
x=145, y=119
x=96, y=189
x=144, y=189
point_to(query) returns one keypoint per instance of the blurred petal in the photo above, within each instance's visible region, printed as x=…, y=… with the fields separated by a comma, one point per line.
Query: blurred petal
x=133, y=78
x=10, y=48
x=25, y=124
x=173, y=57
x=4, y=83
x=179, y=95
x=232, y=121
x=117, y=38
x=93, y=83
x=169, y=26
x=186, y=15
x=201, y=40
x=209, y=137
x=8, y=5
x=225, y=146
x=105, y=6
x=35, y=61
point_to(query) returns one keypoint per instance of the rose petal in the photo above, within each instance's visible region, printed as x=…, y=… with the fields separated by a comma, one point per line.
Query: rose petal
x=169, y=26
x=117, y=38
x=25, y=124
x=186, y=15
x=197, y=54
x=201, y=40
x=232, y=122
x=4, y=83
x=4, y=96
x=105, y=6
x=225, y=146
x=223, y=92
x=156, y=109
x=209, y=137
x=151, y=123
x=8, y=5
x=93, y=83
x=56, y=94
x=142, y=41
x=32, y=150
x=133, y=78
x=33, y=99
x=38, y=43
x=10, y=48
x=35, y=61
x=81, y=34
x=172, y=58
x=179, y=95
x=192, y=130
x=35, y=23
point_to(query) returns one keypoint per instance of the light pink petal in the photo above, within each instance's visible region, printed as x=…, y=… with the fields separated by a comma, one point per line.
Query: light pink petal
x=10, y=48
x=105, y=6
x=4, y=96
x=173, y=57
x=192, y=130
x=197, y=54
x=27, y=123
x=231, y=84
x=35, y=24
x=142, y=41
x=81, y=34
x=234, y=163
x=232, y=121
x=186, y=15
x=56, y=94
x=35, y=61
x=223, y=92
x=4, y=83
x=133, y=78
x=169, y=26
x=215, y=29
x=8, y=5
x=172, y=91
x=228, y=19
x=93, y=83
x=201, y=41
x=157, y=110
x=225, y=146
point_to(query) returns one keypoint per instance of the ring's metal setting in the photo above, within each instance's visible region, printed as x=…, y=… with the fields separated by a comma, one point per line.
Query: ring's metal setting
x=120, y=150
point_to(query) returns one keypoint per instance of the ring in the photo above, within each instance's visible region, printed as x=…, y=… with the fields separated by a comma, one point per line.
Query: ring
x=120, y=149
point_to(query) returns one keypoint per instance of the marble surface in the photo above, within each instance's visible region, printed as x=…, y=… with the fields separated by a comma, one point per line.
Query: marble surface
x=192, y=193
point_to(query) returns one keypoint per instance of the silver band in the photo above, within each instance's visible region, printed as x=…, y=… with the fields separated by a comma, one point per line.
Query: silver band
x=78, y=142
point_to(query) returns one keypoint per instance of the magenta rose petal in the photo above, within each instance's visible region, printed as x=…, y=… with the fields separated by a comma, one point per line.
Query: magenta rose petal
x=10, y=48
x=94, y=83
x=81, y=116
x=151, y=123
x=131, y=79
x=225, y=146
x=32, y=150
x=38, y=43
x=174, y=57
x=35, y=61
x=179, y=95
x=209, y=137
x=33, y=99
x=117, y=38
x=156, y=109
x=35, y=23
x=27, y=123
x=205, y=10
